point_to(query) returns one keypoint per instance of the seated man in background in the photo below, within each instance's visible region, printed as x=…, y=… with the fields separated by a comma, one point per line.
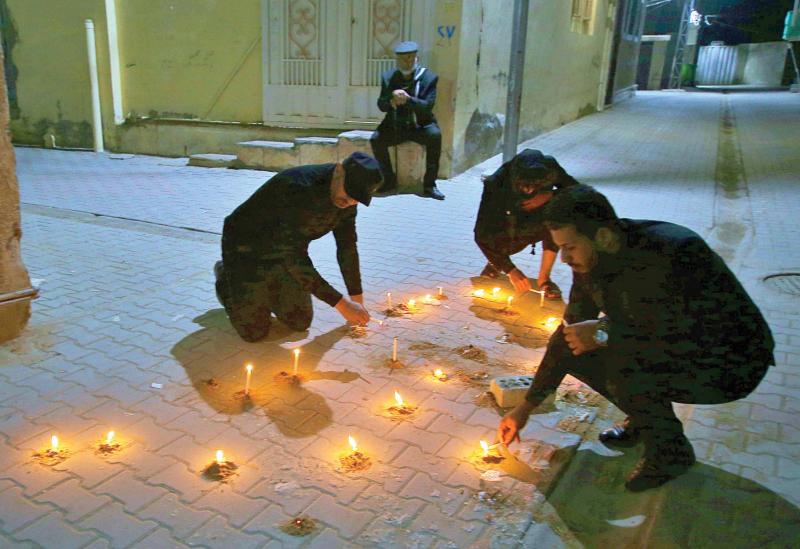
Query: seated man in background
x=677, y=327
x=408, y=94
x=510, y=217
x=265, y=266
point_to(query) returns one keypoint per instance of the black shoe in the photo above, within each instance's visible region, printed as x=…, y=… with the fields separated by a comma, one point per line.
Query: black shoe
x=622, y=435
x=662, y=464
x=433, y=192
x=490, y=271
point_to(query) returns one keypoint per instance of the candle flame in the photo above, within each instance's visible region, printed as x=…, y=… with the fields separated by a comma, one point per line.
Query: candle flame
x=510, y=299
x=411, y=303
x=427, y=297
x=54, y=443
x=297, y=352
x=551, y=322
x=220, y=457
x=495, y=290
x=438, y=372
x=479, y=293
x=352, y=442
x=249, y=368
x=398, y=398
x=485, y=446
x=109, y=437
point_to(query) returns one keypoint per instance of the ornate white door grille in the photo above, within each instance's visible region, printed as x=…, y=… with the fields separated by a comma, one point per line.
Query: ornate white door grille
x=323, y=58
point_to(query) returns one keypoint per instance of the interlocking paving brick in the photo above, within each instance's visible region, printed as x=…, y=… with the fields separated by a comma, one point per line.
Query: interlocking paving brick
x=216, y=533
x=180, y=519
x=73, y=500
x=127, y=489
x=237, y=508
x=50, y=531
x=17, y=509
x=114, y=523
x=179, y=479
x=346, y=521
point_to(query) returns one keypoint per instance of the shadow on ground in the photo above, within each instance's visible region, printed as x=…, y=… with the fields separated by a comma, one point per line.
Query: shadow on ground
x=215, y=364
x=526, y=321
x=706, y=507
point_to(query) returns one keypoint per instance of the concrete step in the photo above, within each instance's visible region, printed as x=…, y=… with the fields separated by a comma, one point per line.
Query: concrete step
x=316, y=150
x=352, y=141
x=210, y=160
x=273, y=156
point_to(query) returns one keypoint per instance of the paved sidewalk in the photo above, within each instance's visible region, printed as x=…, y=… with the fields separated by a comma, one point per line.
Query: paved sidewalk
x=124, y=247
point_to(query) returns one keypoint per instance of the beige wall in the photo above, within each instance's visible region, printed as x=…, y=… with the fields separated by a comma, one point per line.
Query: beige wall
x=198, y=59
x=201, y=60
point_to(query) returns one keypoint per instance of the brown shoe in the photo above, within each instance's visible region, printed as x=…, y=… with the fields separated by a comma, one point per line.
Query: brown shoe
x=661, y=465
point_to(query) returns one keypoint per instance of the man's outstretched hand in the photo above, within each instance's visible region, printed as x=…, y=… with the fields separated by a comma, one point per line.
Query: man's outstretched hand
x=513, y=422
x=352, y=311
x=519, y=281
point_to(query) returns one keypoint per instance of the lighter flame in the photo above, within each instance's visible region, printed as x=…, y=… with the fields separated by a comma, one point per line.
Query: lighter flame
x=109, y=437
x=485, y=446
x=352, y=442
x=398, y=398
x=249, y=368
x=495, y=291
x=54, y=443
x=220, y=457
x=479, y=293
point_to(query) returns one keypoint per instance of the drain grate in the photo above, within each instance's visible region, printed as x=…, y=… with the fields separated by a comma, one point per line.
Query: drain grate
x=788, y=283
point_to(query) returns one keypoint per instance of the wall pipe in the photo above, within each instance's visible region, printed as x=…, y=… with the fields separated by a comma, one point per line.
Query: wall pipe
x=113, y=58
x=97, y=122
x=516, y=74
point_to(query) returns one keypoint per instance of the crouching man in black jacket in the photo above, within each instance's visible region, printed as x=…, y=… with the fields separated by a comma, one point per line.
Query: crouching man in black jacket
x=265, y=266
x=677, y=326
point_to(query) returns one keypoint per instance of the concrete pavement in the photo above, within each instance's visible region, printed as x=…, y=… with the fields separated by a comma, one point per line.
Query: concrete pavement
x=124, y=247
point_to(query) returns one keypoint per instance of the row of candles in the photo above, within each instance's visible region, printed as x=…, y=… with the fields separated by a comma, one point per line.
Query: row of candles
x=481, y=293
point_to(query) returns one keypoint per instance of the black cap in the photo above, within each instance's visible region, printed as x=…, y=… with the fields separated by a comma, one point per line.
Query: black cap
x=406, y=47
x=362, y=177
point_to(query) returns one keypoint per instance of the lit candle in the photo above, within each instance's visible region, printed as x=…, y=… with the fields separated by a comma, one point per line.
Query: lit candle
x=551, y=323
x=54, y=443
x=394, y=350
x=109, y=438
x=411, y=303
x=495, y=291
x=399, y=399
x=441, y=291
x=427, y=298
x=353, y=444
x=296, y=359
x=389, y=299
x=249, y=369
x=541, y=298
x=438, y=373
x=220, y=457
x=479, y=293
x=485, y=446
x=509, y=300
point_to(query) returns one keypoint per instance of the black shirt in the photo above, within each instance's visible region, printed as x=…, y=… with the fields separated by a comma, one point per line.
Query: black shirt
x=669, y=299
x=277, y=223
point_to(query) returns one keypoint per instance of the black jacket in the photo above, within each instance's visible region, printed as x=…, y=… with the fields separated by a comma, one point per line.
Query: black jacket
x=670, y=300
x=500, y=215
x=277, y=223
x=418, y=111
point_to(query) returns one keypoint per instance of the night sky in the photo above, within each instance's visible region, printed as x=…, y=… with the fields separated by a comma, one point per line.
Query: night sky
x=740, y=21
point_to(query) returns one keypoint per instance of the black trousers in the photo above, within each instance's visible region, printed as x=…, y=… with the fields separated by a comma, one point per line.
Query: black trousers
x=251, y=291
x=429, y=137
x=645, y=391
